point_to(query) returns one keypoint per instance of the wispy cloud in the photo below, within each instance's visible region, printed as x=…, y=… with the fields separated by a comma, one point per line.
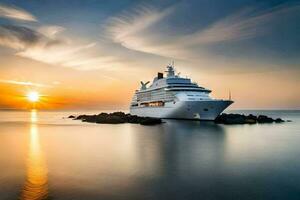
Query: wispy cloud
x=133, y=23
x=49, y=44
x=15, y=13
x=245, y=24
x=74, y=56
x=24, y=83
x=44, y=45
x=133, y=30
x=233, y=28
x=21, y=37
x=130, y=31
x=51, y=31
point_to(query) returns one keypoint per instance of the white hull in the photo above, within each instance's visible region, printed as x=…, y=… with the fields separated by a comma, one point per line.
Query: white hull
x=201, y=110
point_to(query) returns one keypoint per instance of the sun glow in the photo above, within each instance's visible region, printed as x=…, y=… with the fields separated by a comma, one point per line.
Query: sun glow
x=33, y=96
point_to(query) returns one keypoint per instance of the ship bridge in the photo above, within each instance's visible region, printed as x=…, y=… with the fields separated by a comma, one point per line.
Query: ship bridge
x=173, y=82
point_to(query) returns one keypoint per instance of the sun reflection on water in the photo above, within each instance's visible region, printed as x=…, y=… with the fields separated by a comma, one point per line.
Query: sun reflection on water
x=36, y=185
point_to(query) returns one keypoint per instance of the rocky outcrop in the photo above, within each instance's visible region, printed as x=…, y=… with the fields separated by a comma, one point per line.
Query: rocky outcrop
x=120, y=117
x=117, y=118
x=245, y=119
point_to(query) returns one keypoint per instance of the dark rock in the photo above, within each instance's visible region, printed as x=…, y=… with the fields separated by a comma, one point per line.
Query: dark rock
x=242, y=119
x=278, y=120
x=134, y=119
x=118, y=118
x=230, y=119
x=264, y=119
x=80, y=117
x=250, y=121
x=150, y=121
x=111, y=119
x=71, y=117
x=252, y=117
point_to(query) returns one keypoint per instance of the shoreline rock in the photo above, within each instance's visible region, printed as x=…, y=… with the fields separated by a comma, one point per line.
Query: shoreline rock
x=117, y=118
x=245, y=119
x=121, y=117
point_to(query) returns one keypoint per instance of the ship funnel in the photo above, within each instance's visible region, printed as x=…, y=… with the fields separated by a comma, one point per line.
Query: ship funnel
x=160, y=75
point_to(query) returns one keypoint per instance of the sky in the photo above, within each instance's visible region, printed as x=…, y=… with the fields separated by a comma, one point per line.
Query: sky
x=92, y=54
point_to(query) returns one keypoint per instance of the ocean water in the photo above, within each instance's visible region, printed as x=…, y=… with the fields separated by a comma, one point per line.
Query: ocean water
x=44, y=155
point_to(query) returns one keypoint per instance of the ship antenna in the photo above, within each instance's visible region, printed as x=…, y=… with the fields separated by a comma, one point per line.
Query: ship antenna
x=229, y=95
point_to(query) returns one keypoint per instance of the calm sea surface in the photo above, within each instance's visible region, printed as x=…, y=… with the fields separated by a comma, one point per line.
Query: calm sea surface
x=43, y=156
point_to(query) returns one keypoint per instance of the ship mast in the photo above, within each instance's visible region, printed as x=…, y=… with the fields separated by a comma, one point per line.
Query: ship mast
x=170, y=70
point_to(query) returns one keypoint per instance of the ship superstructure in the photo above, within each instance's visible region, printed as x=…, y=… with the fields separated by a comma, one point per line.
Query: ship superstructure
x=176, y=98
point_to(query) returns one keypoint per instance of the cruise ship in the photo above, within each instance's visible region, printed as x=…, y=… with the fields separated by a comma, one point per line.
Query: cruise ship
x=175, y=97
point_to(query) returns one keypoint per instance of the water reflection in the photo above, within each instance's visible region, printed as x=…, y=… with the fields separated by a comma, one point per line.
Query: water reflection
x=36, y=185
x=194, y=146
x=180, y=148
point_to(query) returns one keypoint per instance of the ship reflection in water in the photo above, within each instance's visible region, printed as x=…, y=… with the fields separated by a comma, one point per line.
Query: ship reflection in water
x=36, y=185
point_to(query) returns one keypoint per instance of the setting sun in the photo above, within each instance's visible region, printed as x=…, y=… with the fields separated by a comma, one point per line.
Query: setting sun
x=33, y=96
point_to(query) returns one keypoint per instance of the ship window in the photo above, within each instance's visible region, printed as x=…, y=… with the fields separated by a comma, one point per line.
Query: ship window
x=205, y=109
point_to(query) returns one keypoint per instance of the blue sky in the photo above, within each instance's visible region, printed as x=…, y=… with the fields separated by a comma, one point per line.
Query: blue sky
x=209, y=38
